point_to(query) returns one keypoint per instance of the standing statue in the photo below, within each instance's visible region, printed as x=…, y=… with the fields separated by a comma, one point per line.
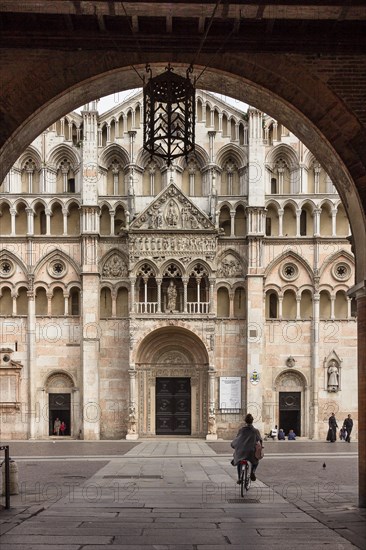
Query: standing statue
x=172, y=297
x=333, y=375
x=212, y=429
x=132, y=420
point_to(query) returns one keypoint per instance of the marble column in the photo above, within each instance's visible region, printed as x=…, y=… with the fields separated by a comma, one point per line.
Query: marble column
x=361, y=338
x=33, y=412
x=132, y=430
x=314, y=400
x=212, y=429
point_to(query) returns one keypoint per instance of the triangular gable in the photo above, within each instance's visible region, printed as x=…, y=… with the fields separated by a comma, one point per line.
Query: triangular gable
x=172, y=210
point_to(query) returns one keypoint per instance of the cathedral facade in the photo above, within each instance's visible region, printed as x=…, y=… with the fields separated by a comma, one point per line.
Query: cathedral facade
x=140, y=300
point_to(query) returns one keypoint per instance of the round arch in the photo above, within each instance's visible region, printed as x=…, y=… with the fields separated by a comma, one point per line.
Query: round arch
x=311, y=119
x=172, y=377
x=292, y=401
x=286, y=92
x=60, y=399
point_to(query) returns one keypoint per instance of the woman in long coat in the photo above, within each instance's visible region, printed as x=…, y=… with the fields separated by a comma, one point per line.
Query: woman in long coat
x=244, y=446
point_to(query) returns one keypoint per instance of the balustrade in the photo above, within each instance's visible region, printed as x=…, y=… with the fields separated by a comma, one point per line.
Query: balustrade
x=198, y=307
x=192, y=307
x=147, y=307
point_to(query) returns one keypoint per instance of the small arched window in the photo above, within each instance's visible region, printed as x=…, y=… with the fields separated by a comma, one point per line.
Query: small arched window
x=272, y=305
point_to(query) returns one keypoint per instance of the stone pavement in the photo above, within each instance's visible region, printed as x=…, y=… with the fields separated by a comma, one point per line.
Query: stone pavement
x=177, y=495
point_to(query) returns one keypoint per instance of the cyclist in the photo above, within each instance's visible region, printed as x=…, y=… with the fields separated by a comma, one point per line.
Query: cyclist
x=244, y=446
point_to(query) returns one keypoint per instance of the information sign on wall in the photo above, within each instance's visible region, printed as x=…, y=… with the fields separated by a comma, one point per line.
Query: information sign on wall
x=230, y=393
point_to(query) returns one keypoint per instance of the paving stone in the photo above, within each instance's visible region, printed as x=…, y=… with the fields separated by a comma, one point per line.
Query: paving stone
x=53, y=540
x=5, y=527
x=88, y=530
x=189, y=536
x=186, y=510
x=49, y=546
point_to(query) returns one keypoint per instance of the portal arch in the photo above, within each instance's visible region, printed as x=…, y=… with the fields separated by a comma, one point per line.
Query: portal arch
x=172, y=390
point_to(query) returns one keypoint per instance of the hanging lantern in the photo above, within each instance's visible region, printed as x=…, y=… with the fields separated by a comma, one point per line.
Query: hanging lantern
x=169, y=115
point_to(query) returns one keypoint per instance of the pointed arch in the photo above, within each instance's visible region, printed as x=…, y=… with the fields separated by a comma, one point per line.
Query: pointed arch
x=288, y=255
x=61, y=151
x=56, y=254
x=231, y=150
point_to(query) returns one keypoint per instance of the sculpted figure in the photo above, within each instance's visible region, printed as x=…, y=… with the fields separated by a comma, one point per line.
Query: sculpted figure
x=172, y=296
x=333, y=374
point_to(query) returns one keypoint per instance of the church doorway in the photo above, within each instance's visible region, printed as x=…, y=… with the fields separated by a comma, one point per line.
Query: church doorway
x=290, y=412
x=292, y=403
x=172, y=390
x=60, y=402
x=173, y=406
x=59, y=407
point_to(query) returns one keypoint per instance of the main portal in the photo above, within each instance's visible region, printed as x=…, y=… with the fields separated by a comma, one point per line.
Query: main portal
x=173, y=406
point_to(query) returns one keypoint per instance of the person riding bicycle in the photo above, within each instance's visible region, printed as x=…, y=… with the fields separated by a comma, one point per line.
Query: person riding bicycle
x=244, y=446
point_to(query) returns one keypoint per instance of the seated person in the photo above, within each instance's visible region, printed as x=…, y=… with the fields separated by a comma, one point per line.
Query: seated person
x=281, y=435
x=291, y=435
x=273, y=433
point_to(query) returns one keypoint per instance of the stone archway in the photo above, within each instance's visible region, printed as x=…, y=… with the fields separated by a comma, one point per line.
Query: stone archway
x=311, y=95
x=162, y=362
x=292, y=403
x=60, y=400
x=317, y=120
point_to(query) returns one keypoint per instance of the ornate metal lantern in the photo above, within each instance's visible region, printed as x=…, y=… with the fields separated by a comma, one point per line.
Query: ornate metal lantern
x=169, y=115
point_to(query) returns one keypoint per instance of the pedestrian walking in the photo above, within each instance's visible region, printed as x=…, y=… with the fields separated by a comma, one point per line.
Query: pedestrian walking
x=348, y=425
x=63, y=428
x=332, y=431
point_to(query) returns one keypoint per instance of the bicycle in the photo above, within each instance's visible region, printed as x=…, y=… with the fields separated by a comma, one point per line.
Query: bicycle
x=246, y=470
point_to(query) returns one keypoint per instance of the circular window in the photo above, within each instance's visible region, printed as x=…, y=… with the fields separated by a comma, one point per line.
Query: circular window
x=6, y=268
x=6, y=358
x=341, y=271
x=57, y=268
x=289, y=271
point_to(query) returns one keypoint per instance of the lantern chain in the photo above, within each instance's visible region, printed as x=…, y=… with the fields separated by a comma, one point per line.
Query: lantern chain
x=139, y=49
x=203, y=40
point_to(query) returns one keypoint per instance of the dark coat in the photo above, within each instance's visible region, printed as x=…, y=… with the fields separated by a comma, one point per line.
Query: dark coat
x=244, y=444
x=332, y=422
x=348, y=424
x=332, y=432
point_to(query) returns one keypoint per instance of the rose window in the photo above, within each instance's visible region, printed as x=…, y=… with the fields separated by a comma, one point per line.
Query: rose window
x=57, y=268
x=6, y=268
x=342, y=271
x=289, y=271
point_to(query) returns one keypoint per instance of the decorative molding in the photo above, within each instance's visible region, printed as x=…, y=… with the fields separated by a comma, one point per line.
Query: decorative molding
x=172, y=210
x=114, y=267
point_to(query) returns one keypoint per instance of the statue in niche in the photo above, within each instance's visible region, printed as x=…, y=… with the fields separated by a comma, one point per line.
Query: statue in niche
x=333, y=376
x=172, y=296
x=172, y=215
